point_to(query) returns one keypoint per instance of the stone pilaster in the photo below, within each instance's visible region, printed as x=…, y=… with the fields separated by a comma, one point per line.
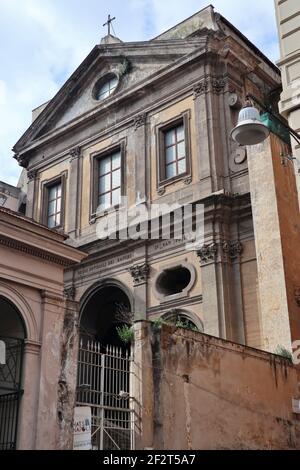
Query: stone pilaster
x=74, y=191
x=68, y=371
x=140, y=274
x=50, y=367
x=140, y=157
x=32, y=194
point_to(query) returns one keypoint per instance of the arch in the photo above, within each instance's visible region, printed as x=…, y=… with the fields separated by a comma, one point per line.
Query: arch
x=12, y=323
x=108, y=282
x=25, y=311
x=172, y=315
x=105, y=307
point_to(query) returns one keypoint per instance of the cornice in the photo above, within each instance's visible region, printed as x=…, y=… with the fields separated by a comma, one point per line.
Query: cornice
x=33, y=251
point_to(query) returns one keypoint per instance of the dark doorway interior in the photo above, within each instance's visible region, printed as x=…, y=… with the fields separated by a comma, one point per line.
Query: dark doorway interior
x=106, y=311
x=12, y=336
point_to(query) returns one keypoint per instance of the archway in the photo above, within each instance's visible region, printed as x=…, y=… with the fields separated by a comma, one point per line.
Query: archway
x=12, y=336
x=184, y=319
x=105, y=311
x=103, y=376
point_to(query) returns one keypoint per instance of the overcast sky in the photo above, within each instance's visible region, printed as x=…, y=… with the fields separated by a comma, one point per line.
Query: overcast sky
x=43, y=41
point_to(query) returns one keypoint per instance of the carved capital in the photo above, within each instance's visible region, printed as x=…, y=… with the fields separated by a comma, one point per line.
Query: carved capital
x=208, y=253
x=218, y=84
x=32, y=174
x=140, y=120
x=232, y=249
x=70, y=292
x=75, y=153
x=200, y=88
x=140, y=273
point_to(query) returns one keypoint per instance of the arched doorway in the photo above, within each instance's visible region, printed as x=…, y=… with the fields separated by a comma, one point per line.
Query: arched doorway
x=12, y=336
x=105, y=311
x=104, y=366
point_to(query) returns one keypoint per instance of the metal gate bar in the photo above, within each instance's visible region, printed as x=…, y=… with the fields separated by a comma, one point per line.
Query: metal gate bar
x=103, y=383
x=10, y=392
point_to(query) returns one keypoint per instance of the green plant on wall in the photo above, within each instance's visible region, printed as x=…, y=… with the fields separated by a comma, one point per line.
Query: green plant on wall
x=158, y=322
x=282, y=351
x=186, y=325
x=126, y=334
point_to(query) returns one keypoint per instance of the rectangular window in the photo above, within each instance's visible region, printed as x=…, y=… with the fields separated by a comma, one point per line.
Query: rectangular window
x=173, y=155
x=174, y=151
x=54, y=205
x=109, y=181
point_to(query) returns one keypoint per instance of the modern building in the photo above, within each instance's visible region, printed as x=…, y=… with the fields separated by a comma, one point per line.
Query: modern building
x=288, y=20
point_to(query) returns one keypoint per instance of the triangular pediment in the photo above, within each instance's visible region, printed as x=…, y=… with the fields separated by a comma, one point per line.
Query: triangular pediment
x=132, y=63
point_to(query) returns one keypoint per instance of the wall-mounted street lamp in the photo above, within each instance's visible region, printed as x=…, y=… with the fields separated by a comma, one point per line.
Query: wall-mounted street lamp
x=252, y=128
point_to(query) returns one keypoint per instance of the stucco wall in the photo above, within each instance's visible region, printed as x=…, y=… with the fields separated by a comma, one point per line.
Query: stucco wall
x=199, y=392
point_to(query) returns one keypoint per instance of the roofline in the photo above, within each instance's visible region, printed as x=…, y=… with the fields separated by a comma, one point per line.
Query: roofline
x=250, y=44
x=183, y=21
x=28, y=220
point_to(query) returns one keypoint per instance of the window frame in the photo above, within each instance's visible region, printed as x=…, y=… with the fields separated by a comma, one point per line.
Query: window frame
x=96, y=158
x=61, y=179
x=179, y=295
x=101, y=82
x=161, y=130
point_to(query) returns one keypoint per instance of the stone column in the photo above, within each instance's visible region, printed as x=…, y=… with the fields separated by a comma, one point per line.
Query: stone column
x=74, y=192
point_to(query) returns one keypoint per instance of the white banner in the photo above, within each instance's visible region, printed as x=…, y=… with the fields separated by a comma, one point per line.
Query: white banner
x=82, y=428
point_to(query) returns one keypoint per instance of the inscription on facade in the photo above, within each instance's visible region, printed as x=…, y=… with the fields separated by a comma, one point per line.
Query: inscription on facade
x=105, y=264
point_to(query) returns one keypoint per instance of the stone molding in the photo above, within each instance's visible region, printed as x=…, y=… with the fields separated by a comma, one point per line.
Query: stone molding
x=30, y=250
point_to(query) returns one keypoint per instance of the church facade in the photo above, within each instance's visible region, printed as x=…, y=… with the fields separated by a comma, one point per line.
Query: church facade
x=148, y=124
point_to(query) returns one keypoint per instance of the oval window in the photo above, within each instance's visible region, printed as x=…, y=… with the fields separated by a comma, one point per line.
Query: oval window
x=106, y=87
x=173, y=280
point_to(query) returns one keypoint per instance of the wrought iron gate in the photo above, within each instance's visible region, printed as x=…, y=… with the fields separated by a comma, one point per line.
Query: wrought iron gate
x=10, y=392
x=103, y=383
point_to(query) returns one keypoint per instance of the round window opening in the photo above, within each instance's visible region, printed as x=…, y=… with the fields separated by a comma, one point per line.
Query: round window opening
x=173, y=280
x=105, y=87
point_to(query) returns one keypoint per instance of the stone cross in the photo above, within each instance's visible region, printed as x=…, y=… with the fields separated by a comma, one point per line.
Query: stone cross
x=108, y=23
